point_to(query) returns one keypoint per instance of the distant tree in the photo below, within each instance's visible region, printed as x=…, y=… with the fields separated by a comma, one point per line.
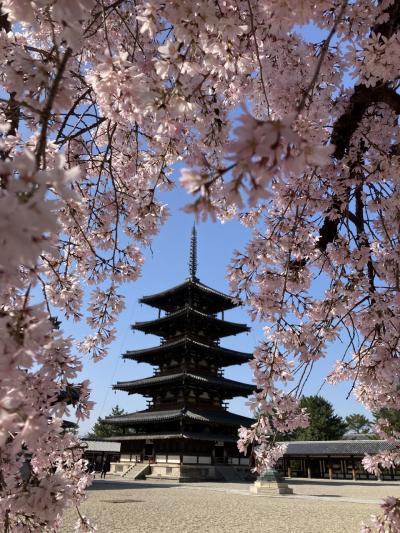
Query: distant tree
x=392, y=415
x=324, y=423
x=358, y=423
x=102, y=430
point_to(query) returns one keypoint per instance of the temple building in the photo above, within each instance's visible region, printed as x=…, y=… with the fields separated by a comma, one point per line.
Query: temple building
x=340, y=459
x=186, y=432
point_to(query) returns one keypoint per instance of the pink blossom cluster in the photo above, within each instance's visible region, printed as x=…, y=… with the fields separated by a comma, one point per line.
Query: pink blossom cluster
x=276, y=411
x=42, y=469
x=261, y=150
x=389, y=521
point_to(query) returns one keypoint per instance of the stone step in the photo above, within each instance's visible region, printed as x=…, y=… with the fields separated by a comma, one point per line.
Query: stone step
x=229, y=474
x=138, y=471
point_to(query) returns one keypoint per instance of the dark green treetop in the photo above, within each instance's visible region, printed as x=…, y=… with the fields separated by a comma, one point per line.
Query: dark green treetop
x=324, y=423
x=102, y=430
x=358, y=423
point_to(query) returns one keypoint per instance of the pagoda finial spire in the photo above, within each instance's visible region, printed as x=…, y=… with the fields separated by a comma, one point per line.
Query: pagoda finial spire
x=193, y=253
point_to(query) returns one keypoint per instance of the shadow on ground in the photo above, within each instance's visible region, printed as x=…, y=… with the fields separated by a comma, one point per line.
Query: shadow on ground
x=122, y=501
x=126, y=485
x=325, y=495
x=334, y=482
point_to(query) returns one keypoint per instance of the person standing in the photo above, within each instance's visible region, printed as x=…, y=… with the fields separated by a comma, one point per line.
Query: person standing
x=103, y=470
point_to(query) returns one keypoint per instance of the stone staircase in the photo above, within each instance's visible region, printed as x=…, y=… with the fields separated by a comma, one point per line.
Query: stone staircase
x=137, y=471
x=230, y=474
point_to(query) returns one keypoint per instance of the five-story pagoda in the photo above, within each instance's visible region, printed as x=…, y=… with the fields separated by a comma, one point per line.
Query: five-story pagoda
x=186, y=432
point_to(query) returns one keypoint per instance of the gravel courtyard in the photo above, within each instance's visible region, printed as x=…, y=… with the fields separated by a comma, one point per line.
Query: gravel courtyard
x=161, y=506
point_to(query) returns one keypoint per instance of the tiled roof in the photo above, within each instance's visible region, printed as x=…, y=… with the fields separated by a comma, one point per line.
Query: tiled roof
x=171, y=435
x=225, y=327
x=337, y=447
x=220, y=417
x=246, y=388
x=226, y=301
x=152, y=436
x=189, y=309
x=144, y=416
x=201, y=415
x=183, y=341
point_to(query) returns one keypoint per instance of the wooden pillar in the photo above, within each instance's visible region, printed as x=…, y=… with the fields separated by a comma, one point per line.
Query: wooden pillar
x=284, y=466
x=330, y=469
x=353, y=469
x=308, y=468
x=289, y=471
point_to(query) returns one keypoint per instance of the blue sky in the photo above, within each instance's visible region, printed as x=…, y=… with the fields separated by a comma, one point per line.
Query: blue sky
x=166, y=265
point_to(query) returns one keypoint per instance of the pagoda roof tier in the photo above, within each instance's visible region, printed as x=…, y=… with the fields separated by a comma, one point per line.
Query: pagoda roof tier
x=176, y=435
x=222, y=356
x=188, y=320
x=191, y=290
x=217, y=416
x=147, y=386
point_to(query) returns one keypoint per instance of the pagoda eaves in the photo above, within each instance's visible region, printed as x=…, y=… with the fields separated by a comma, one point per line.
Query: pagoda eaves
x=192, y=413
x=146, y=386
x=207, y=326
x=189, y=435
x=155, y=354
x=203, y=297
